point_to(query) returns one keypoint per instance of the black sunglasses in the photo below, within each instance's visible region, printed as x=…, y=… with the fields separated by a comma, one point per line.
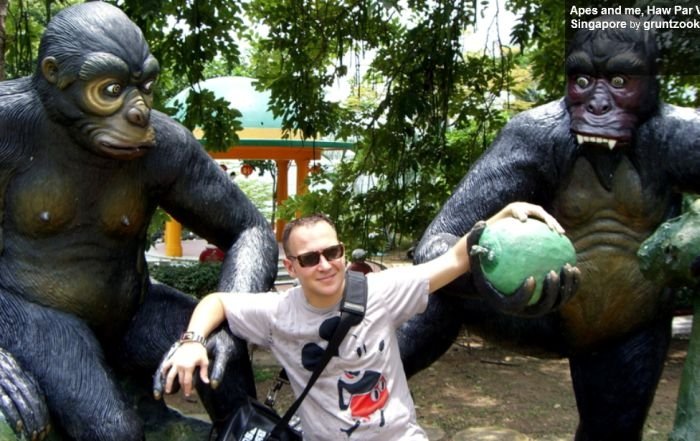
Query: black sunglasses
x=312, y=258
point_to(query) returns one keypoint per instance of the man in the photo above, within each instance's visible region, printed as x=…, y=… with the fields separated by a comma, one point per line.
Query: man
x=362, y=393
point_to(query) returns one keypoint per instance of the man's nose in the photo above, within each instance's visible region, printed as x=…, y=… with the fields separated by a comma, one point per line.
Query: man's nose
x=323, y=263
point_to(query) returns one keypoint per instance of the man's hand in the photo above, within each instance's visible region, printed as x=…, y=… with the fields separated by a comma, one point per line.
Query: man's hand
x=180, y=363
x=522, y=211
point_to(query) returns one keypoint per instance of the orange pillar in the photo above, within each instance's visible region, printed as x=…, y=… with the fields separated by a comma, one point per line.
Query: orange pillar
x=173, y=238
x=302, y=174
x=282, y=193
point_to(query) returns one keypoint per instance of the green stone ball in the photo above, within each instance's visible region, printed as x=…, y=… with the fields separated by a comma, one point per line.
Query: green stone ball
x=511, y=251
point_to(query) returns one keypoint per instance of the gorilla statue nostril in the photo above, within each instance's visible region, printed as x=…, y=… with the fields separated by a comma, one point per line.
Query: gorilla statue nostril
x=138, y=116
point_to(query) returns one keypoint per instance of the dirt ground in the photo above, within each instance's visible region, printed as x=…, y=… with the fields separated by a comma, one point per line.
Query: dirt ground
x=478, y=384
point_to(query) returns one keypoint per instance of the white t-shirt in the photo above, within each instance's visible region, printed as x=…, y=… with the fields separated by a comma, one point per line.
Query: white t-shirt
x=362, y=393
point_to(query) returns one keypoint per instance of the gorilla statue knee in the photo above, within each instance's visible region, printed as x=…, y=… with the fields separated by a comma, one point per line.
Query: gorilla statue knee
x=85, y=163
x=609, y=160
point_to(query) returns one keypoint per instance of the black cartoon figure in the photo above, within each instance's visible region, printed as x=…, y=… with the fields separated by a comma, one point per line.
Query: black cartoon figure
x=364, y=392
x=367, y=393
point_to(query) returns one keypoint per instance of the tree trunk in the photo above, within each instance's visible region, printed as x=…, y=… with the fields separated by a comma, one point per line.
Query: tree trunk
x=3, y=14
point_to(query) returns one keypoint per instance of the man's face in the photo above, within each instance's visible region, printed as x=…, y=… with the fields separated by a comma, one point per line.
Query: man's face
x=322, y=283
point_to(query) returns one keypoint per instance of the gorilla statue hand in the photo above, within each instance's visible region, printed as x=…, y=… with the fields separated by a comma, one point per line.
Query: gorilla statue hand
x=22, y=404
x=557, y=288
x=222, y=347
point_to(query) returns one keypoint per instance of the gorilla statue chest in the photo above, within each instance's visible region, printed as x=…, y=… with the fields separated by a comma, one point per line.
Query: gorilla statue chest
x=607, y=212
x=73, y=235
x=47, y=201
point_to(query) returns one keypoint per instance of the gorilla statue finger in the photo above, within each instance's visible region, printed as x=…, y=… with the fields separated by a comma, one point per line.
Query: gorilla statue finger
x=159, y=377
x=557, y=289
x=224, y=347
x=22, y=403
x=515, y=303
x=569, y=281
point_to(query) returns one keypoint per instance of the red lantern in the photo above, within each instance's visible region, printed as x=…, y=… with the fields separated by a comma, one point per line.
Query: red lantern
x=316, y=168
x=246, y=170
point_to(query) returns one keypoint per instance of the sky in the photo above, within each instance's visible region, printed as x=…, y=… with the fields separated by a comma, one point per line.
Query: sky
x=489, y=27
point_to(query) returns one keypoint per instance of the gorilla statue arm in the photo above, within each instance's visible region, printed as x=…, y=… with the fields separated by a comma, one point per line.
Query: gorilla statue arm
x=513, y=168
x=679, y=129
x=202, y=197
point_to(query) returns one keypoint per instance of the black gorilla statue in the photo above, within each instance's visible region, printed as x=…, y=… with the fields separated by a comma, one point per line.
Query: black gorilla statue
x=609, y=160
x=84, y=162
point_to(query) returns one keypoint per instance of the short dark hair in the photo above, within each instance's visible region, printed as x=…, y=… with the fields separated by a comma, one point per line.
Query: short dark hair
x=305, y=221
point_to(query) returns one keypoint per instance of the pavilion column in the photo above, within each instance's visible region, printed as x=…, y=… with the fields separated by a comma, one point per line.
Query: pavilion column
x=282, y=193
x=302, y=174
x=173, y=238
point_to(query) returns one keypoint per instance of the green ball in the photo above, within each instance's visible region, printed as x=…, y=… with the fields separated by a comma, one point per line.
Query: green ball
x=511, y=251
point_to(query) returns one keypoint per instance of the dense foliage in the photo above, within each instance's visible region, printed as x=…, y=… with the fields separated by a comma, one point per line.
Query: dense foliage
x=422, y=107
x=422, y=112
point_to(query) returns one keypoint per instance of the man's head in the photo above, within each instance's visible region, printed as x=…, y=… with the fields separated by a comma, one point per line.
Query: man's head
x=315, y=256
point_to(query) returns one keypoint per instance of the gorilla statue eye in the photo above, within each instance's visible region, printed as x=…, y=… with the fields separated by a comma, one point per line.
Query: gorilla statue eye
x=617, y=81
x=582, y=81
x=113, y=89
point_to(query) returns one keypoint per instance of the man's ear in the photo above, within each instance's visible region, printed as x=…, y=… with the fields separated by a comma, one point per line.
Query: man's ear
x=289, y=267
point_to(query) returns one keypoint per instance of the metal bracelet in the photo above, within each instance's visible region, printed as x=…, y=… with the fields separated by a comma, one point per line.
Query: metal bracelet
x=191, y=336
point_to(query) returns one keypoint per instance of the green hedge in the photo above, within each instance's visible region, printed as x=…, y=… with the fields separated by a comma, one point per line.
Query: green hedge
x=197, y=279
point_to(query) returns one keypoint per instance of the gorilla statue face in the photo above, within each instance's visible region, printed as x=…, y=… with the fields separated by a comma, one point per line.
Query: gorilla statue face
x=99, y=83
x=611, y=85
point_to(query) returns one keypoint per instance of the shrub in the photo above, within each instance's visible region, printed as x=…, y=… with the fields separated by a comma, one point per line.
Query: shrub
x=196, y=279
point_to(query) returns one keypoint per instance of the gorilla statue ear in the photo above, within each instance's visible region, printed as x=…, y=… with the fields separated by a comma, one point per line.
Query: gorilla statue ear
x=49, y=67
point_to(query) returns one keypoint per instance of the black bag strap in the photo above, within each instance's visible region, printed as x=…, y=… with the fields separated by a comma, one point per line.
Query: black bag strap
x=352, y=311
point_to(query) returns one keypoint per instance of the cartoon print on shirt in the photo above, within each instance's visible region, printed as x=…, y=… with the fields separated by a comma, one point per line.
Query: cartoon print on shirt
x=367, y=393
x=362, y=392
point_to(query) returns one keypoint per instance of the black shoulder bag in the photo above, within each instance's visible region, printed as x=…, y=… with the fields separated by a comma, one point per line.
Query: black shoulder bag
x=254, y=420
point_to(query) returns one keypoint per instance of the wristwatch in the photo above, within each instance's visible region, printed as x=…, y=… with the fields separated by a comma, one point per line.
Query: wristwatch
x=191, y=336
